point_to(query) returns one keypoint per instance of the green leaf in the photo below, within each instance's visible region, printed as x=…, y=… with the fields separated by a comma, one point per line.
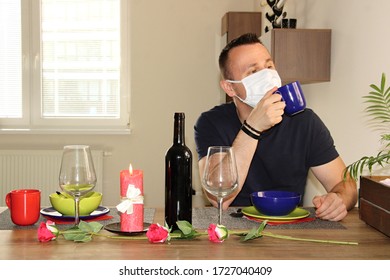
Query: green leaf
x=378, y=110
x=83, y=232
x=84, y=226
x=255, y=232
x=185, y=227
x=73, y=235
x=252, y=234
x=85, y=238
x=95, y=226
x=187, y=231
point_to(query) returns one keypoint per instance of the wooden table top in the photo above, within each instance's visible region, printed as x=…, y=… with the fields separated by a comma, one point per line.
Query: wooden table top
x=23, y=244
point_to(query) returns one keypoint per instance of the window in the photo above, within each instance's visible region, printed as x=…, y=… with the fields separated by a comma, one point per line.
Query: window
x=66, y=65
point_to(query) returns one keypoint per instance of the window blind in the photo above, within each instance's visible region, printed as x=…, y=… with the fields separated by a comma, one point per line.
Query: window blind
x=62, y=64
x=10, y=60
x=80, y=58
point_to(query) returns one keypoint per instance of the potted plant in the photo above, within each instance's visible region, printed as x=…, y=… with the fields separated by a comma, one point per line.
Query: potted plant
x=374, y=197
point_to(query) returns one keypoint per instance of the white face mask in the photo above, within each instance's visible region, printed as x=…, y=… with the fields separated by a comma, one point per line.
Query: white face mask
x=258, y=84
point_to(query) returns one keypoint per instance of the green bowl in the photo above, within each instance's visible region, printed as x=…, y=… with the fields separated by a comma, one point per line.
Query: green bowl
x=64, y=203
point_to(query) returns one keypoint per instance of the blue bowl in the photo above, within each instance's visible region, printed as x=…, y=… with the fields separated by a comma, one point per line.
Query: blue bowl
x=275, y=203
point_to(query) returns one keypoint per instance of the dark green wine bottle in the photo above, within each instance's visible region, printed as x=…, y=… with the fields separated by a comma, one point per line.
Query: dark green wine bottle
x=178, y=177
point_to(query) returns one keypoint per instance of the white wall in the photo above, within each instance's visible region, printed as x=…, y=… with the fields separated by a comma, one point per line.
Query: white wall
x=175, y=47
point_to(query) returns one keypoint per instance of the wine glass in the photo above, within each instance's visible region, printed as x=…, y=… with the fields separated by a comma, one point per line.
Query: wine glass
x=77, y=173
x=220, y=177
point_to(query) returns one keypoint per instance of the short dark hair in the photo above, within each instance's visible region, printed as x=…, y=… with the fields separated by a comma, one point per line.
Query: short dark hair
x=245, y=39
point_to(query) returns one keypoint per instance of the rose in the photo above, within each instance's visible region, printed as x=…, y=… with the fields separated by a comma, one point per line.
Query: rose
x=157, y=234
x=84, y=231
x=47, y=231
x=217, y=233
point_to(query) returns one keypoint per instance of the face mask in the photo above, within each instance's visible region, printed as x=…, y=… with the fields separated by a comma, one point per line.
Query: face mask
x=258, y=84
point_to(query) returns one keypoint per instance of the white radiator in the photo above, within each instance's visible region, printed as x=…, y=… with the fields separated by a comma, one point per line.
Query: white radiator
x=38, y=169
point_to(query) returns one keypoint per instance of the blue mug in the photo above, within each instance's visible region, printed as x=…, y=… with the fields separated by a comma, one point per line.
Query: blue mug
x=292, y=94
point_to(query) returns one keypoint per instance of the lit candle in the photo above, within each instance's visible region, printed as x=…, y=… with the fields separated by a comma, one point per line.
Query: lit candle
x=132, y=206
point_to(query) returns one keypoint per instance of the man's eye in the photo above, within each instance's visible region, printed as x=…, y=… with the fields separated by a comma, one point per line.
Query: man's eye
x=271, y=66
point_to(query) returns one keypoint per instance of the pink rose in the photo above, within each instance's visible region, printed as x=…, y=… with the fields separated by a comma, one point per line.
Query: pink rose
x=217, y=233
x=157, y=234
x=47, y=231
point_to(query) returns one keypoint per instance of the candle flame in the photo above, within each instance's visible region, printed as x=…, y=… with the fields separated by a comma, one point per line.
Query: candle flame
x=131, y=169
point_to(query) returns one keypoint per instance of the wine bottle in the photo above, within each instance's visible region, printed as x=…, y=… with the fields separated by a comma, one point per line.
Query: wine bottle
x=178, y=177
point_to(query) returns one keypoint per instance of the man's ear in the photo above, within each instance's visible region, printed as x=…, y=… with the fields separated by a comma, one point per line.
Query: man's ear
x=227, y=88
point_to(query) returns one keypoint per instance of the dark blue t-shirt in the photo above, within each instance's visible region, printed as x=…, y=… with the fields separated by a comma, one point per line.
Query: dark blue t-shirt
x=284, y=153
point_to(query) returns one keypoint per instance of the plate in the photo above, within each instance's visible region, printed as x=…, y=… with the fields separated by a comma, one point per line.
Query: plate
x=298, y=213
x=116, y=228
x=281, y=222
x=51, y=212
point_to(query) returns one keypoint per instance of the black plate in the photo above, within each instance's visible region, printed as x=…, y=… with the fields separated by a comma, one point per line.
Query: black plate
x=116, y=228
x=51, y=212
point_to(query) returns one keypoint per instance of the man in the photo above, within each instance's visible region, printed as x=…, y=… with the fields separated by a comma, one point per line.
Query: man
x=273, y=150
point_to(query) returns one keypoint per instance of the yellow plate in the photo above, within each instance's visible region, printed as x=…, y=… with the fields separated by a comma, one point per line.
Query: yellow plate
x=298, y=213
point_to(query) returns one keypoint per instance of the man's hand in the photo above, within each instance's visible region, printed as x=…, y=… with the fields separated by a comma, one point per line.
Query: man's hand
x=330, y=207
x=268, y=112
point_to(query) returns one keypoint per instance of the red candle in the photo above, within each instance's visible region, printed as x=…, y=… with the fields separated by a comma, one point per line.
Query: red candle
x=131, y=191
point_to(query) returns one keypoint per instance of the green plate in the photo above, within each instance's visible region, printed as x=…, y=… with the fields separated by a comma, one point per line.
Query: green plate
x=298, y=213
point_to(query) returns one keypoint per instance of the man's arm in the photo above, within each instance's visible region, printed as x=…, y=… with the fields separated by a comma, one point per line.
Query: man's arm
x=266, y=114
x=244, y=148
x=342, y=194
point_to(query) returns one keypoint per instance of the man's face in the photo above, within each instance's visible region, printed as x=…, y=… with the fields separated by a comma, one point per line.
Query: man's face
x=248, y=59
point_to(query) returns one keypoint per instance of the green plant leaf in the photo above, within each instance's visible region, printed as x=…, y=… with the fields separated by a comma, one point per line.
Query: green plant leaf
x=85, y=238
x=95, y=226
x=255, y=232
x=83, y=232
x=378, y=110
x=185, y=227
x=75, y=235
x=84, y=226
x=186, y=230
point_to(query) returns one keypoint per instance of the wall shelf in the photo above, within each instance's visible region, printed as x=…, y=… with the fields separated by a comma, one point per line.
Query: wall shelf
x=235, y=24
x=300, y=54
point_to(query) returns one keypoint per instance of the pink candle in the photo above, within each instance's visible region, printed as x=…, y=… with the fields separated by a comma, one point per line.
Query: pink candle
x=133, y=218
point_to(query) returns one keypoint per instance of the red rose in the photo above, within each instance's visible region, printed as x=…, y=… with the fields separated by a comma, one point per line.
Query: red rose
x=157, y=234
x=217, y=233
x=47, y=231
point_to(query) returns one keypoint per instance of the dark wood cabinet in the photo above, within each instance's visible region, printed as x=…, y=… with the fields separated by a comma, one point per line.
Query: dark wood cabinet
x=300, y=54
x=235, y=24
x=374, y=203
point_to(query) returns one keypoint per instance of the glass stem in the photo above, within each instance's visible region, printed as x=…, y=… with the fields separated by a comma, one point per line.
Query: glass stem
x=220, y=200
x=76, y=210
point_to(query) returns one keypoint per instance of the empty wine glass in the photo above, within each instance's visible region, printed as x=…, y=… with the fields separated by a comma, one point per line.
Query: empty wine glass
x=77, y=173
x=220, y=176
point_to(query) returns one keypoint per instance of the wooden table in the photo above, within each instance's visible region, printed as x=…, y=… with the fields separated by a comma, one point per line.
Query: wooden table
x=23, y=244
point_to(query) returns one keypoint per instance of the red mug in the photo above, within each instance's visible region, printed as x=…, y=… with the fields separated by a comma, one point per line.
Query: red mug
x=24, y=205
